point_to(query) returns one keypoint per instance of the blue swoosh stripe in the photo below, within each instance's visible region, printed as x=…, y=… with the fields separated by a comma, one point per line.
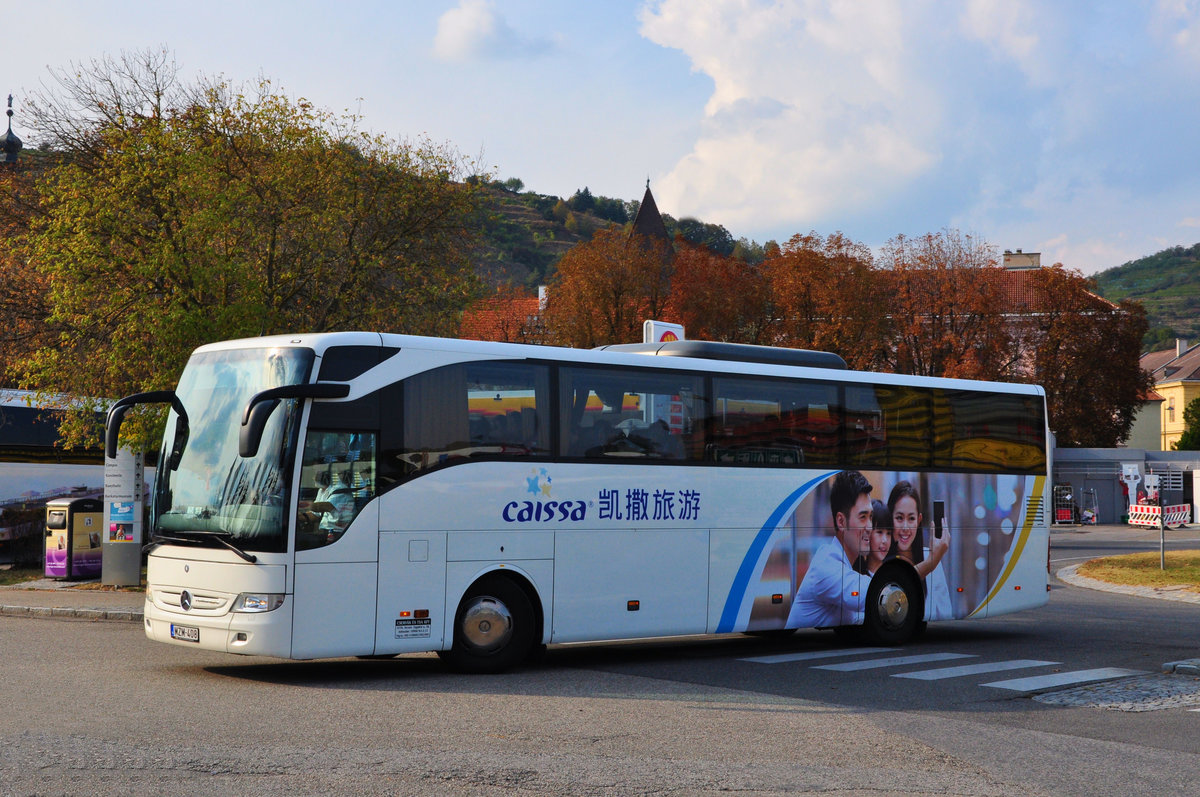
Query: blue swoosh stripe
x=741, y=582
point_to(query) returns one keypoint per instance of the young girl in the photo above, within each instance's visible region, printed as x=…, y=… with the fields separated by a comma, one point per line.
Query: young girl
x=880, y=537
x=908, y=542
x=878, y=541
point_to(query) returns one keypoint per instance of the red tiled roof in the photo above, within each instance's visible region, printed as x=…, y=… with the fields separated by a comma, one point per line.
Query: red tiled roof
x=1170, y=366
x=500, y=319
x=1020, y=290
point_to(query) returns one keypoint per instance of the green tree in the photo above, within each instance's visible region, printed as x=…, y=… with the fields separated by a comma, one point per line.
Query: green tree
x=582, y=201
x=1190, y=439
x=166, y=227
x=1158, y=339
x=713, y=236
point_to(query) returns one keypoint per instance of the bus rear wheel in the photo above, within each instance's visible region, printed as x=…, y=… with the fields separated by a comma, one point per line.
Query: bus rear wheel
x=894, y=607
x=493, y=628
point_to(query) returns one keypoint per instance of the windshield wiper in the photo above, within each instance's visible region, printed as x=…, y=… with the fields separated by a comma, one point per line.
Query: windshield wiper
x=193, y=536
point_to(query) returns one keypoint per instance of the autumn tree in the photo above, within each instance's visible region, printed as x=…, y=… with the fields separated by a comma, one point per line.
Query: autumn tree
x=606, y=287
x=717, y=297
x=946, y=307
x=24, y=291
x=1085, y=351
x=182, y=215
x=825, y=296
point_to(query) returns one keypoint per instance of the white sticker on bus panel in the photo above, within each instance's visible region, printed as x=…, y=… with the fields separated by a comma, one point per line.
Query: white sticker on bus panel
x=408, y=584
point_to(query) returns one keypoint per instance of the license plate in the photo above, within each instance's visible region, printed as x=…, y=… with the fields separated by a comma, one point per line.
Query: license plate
x=188, y=633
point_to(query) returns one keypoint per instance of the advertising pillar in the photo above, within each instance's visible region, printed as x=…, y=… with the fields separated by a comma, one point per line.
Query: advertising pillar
x=124, y=491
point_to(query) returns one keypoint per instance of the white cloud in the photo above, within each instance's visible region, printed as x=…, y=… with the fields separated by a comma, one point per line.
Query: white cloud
x=473, y=30
x=1011, y=30
x=815, y=109
x=1178, y=21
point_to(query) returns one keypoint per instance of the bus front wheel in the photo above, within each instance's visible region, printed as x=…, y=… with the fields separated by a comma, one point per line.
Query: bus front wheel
x=894, y=607
x=493, y=628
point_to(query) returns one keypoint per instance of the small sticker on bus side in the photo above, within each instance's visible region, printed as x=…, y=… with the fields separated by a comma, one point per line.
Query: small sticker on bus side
x=414, y=628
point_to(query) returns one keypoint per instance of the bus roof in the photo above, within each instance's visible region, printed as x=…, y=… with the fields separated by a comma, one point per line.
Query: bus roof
x=734, y=352
x=757, y=360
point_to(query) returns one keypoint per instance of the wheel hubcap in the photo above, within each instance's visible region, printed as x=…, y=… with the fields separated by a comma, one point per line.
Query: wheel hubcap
x=893, y=606
x=486, y=624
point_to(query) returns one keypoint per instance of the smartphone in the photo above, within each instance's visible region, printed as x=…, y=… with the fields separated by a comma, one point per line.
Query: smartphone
x=939, y=515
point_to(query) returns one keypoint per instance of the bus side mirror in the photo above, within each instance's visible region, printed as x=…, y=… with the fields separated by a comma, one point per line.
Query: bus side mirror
x=261, y=405
x=254, y=420
x=116, y=415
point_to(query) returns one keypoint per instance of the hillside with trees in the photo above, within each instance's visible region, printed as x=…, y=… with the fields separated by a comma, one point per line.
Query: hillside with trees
x=1168, y=286
x=523, y=234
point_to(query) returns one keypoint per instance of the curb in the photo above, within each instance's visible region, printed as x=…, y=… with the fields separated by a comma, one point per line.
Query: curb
x=1185, y=667
x=68, y=613
x=1069, y=576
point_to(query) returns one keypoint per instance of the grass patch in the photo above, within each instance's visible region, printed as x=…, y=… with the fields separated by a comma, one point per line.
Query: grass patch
x=1142, y=570
x=20, y=574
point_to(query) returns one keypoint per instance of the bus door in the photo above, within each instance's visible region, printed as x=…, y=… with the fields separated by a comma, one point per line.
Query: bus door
x=336, y=529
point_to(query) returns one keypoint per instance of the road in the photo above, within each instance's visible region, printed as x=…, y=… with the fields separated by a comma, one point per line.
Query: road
x=94, y=708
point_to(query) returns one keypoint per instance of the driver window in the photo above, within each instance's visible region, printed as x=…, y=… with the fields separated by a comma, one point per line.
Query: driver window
x=336, y=482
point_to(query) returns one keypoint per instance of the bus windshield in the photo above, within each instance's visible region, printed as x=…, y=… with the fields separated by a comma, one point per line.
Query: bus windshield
x=214, y=492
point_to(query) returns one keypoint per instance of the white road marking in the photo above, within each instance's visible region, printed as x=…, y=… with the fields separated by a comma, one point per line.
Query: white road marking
x=1037, y=682
x=973, y=669
x=893, y=661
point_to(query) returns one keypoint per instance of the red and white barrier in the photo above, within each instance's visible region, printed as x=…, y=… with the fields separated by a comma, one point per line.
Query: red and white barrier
x=1146, y=515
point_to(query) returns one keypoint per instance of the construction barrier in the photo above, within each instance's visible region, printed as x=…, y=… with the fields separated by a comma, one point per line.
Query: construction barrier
x=1147, y=515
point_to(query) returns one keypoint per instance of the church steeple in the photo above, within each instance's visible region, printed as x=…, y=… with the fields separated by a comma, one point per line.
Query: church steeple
x=10, y=145
x=648, y=221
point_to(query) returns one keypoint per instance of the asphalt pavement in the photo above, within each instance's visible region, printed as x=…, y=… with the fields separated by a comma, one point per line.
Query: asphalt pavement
x=90, y=600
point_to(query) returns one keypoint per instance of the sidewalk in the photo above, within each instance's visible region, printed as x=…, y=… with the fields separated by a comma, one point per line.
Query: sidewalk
x=70, y=600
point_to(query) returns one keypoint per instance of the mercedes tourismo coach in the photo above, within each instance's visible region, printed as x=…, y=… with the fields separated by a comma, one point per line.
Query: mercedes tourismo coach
x=370, y=494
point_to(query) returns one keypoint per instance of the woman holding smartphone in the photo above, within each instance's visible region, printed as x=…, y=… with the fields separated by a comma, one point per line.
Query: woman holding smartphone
x=908, y=542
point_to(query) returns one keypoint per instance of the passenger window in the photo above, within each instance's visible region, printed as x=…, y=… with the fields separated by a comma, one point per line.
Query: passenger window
x=865, y=432
x=337, y=479
x=476, y=410
x=985, y=431
x=903, y=427
x=774, y=422
x=612, y=415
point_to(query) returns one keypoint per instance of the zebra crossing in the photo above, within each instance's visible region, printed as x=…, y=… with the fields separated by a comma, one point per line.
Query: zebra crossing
x=861, y=659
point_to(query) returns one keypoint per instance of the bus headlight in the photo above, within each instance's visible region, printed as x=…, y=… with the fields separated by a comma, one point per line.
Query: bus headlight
x=257, y=602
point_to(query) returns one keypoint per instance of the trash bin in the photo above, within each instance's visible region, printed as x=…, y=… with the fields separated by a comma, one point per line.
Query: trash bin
x=73, y=537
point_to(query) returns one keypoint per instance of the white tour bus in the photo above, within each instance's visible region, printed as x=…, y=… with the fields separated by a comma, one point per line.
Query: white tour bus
x=363, y=494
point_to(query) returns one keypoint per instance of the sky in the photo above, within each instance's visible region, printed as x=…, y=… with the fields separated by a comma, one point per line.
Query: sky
x=1056, y=126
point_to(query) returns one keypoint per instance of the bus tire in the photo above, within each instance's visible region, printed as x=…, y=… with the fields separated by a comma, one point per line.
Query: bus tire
x=894, y=607
x=493, y=627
